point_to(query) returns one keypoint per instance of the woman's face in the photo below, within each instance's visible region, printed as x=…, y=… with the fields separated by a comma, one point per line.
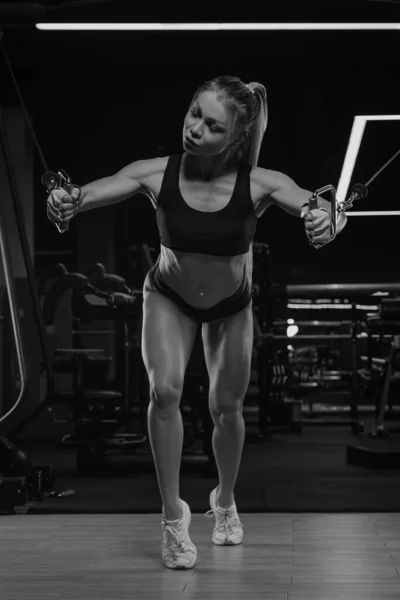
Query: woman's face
x=207, y=125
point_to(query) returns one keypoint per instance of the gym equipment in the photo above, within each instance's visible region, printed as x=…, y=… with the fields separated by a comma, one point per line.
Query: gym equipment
x=359, y=191
x=14, y=488
x=387, y=368
x=362, y=300
x=102, y=416
x=381, y=372
x=255, y=408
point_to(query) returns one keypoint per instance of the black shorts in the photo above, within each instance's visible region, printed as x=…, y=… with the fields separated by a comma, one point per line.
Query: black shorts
x=226, y=308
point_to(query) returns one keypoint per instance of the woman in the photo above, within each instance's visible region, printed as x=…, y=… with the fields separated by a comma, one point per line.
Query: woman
x=208, y=201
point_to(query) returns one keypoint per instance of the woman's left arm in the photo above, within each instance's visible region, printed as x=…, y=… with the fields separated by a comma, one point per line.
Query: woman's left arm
x=285, y=193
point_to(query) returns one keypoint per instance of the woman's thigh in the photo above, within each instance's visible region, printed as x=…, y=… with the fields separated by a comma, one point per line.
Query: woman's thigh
x=168, y=336
x=228, y=349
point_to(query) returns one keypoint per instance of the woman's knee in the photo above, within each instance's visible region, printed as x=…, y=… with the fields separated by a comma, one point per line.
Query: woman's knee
x=224, y=400
x=165, y=395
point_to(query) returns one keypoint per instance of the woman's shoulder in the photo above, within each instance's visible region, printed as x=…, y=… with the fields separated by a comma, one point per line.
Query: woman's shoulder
x=150, y=173
x=150, y=166
x=265, y=179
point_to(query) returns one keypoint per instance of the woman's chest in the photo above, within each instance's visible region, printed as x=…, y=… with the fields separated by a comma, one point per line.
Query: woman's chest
x=210, y=196
x=206, y=197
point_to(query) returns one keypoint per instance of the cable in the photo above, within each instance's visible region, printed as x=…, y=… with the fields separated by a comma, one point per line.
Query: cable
x=28, y=119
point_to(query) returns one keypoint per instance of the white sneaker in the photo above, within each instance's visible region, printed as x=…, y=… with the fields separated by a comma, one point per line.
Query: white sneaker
x=228, y=530
x=178, y=550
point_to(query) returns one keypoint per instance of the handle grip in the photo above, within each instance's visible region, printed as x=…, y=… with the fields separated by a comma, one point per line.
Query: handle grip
x=359, y=191
x=335, y=207
x=52, y=180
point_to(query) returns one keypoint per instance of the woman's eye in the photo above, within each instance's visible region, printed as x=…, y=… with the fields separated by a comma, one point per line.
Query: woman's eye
x=195, y=113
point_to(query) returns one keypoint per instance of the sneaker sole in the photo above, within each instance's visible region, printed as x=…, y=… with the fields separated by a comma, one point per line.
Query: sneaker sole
x=183, y=567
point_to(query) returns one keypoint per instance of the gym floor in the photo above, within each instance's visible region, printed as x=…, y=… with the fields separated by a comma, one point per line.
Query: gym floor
x=315, y=528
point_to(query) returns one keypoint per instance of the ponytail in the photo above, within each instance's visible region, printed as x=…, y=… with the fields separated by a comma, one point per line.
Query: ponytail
x=251, y=146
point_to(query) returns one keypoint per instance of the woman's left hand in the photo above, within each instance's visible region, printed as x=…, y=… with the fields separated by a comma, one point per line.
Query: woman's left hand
x=319, y=227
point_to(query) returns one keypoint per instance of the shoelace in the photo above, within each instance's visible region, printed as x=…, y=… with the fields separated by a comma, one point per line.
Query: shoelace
x=225, y=522
x=178, y=543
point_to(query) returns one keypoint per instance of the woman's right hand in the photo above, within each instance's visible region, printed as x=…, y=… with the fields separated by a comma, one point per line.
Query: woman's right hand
x=62, y=206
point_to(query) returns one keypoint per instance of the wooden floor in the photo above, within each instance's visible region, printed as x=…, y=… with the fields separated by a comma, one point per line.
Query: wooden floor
x=283, y=557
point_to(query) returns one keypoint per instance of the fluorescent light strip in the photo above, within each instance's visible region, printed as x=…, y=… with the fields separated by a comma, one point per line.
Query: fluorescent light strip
x=218, y=26
x=296, y=306
x=354, y=144
x=373, y=213
x=353, y=149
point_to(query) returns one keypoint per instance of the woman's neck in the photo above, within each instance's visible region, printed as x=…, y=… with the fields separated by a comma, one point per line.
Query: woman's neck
x=206, y=168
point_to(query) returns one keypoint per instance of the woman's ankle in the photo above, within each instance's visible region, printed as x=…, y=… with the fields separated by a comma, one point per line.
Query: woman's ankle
x=173, y=513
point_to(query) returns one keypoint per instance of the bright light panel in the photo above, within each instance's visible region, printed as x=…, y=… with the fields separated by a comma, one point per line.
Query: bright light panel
x=218, y=26
x=353, y=148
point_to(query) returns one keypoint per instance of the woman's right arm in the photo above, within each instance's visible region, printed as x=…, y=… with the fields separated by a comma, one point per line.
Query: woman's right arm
x=116, y=188
x=63, y=206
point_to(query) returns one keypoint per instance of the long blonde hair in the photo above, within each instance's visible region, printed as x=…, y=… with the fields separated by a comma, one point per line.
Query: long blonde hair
x=247, y=103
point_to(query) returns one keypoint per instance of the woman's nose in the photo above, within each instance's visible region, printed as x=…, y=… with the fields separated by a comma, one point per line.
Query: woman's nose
x=195, y=131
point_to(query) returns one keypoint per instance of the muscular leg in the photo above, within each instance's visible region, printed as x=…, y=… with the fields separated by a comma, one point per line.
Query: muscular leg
x=168, y=336
x=228, y=345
